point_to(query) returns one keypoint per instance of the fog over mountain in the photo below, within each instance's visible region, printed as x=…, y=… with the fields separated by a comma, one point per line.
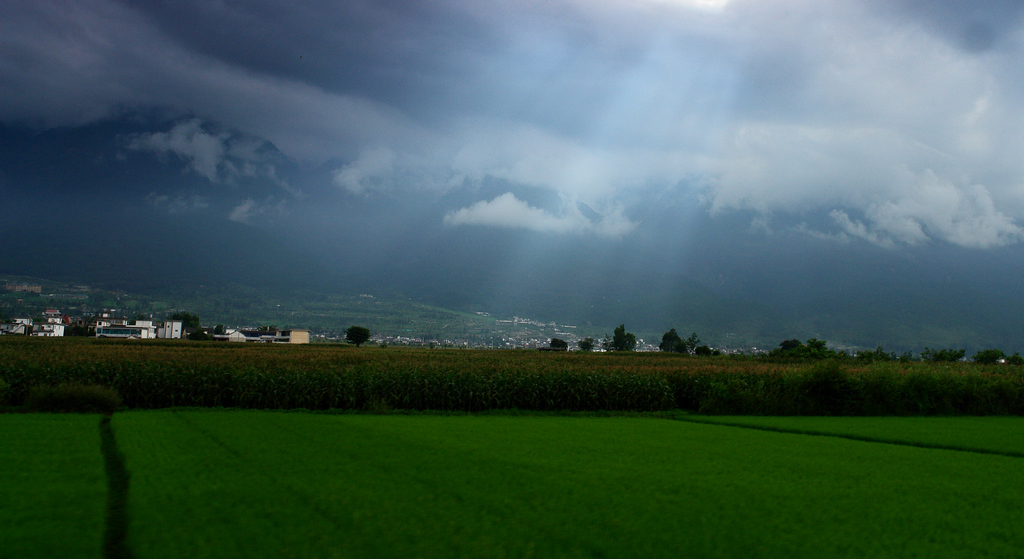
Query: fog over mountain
x=761, y=168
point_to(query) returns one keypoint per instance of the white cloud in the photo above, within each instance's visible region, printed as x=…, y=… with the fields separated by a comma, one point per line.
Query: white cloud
x=248, y=209
x=507, y=211
x=219, y=157
x=778, y=106
x=244, y=211
x=179, y=204
x=935, y=209
x=203, y=151
x=367, y=172
x=576, y=169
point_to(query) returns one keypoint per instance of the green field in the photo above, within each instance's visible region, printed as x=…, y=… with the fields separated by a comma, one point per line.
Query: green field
x=998, y=435
x=273, y=484
x=53, y=494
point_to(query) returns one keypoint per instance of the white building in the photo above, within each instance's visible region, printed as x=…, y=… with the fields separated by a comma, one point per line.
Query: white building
x=48, y=330
x=17, y=327
x=52, y=325
x=170, y=330
x=138, y=330
x=288, y=336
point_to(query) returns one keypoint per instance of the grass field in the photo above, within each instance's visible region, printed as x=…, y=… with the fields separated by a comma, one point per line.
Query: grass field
x=272, y=484
x=264, y=484
x=979, y=434
x=53, y=494
x=237, y=483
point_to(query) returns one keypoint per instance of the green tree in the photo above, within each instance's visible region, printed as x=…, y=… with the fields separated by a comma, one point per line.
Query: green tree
x=989, y=356
x=199, y=335
x=669, y=340
x=942, y=355
x=357, y=335
x=623, y=340
x=705, y=351
x=795, y=349
x=219, y=330
x=689, y=345
x=188, y=320
x=878, y=355
x=586, y=344
x=559, y=343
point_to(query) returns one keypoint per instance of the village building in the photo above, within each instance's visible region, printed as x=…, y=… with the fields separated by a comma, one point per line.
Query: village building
x=17, y=327
x=285, y=336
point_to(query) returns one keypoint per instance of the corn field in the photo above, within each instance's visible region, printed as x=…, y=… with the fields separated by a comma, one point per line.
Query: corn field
x=319, y=377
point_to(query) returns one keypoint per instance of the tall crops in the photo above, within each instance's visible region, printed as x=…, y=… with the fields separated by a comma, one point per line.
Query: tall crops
x=319, y=378
x=167, y=374
x=159, y=385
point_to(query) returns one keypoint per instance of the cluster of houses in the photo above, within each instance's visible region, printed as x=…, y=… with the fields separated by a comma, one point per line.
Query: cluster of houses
x=105, y=325
x=51, y=324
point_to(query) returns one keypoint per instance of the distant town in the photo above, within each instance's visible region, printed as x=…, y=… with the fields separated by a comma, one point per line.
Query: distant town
x=80, y=318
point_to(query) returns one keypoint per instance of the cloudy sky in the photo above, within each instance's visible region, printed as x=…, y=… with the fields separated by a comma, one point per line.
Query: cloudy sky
x=896, y=123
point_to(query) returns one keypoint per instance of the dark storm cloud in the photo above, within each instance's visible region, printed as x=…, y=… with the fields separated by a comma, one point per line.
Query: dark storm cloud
x=897, y=120
x=976, y=26
x=400, y=53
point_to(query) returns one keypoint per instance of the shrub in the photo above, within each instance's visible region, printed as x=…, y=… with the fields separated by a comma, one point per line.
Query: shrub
x=943, y=355
x=878, y=355
x=828, y=389
x=558, y=343
x=989, y=356
x=74, y=398
x=199, y=336
x=794, y=349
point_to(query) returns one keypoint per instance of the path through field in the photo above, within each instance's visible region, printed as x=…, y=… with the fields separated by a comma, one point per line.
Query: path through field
x=272, y=484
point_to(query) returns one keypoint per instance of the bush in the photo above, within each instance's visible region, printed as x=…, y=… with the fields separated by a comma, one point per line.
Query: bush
x=828, y=389
x=878, y=355
x=989, y=356
x=943, y=355
x=559, y=343
x=705, y=351
x=73, y=398
x=199, y=336
x=794, y=349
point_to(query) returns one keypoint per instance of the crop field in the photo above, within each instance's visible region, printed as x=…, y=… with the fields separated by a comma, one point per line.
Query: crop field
x=161, y=374
x=53, y=494
x=516, y=454
x=997, y=435
x=235, y=483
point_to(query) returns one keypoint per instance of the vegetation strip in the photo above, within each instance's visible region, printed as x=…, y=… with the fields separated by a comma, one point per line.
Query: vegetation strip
x=312, y=485
x=115, y=537
x=849, y=436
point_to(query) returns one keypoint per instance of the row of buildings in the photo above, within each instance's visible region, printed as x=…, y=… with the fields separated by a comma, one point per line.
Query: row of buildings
x=105, y=325
x=52, y=324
